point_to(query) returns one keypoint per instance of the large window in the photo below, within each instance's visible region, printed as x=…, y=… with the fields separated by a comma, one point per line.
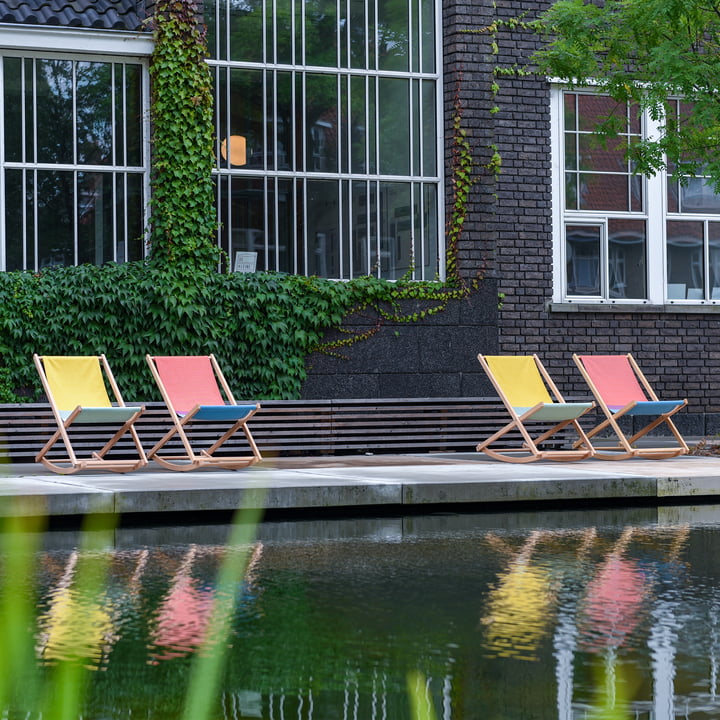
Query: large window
x=73, y=161
x=623, y=237
x=327, y=131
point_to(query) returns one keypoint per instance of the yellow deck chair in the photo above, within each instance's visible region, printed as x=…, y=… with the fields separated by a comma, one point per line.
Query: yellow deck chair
x=525, y=388
x=75, y=388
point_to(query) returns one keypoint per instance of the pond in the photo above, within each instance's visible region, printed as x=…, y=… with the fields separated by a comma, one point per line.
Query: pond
x=567, y=614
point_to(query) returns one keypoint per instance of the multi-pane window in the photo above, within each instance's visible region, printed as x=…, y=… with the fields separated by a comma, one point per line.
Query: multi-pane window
x=623, y=236
x=327, y=135
x=73, y=161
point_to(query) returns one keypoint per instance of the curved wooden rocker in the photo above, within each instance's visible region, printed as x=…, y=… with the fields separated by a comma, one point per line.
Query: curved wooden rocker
x=522, y=384
x=75, y=388
x=621, y=390
x=191, y=387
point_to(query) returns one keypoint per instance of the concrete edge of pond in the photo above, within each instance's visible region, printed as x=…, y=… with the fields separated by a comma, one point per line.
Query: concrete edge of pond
x=344, y=483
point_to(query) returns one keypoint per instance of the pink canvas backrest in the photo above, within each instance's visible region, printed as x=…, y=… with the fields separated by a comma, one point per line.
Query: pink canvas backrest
x=614, y=379
x=189, y=380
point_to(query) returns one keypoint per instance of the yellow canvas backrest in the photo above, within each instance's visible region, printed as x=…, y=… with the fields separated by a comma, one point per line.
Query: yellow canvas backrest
x=519, y=379
x=75, y=380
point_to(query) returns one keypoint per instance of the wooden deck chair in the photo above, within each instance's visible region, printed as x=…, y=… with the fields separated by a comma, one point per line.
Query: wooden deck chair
x=75, y=388
x=193, y=387
x=621, y=390
x=525, y=388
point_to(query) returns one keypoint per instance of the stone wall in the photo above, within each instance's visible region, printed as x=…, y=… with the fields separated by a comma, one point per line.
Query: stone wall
x=435, y=357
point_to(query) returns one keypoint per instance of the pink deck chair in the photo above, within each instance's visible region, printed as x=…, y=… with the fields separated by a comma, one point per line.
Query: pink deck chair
x=193, y=388
x=621, y=390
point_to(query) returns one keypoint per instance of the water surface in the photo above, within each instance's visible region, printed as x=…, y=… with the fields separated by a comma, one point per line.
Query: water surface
x=518, y=615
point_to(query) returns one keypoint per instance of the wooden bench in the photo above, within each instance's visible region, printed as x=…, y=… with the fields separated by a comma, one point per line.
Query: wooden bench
x=293, y=427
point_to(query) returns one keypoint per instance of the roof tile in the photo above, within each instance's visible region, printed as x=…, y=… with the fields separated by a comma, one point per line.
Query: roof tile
x=99, y=14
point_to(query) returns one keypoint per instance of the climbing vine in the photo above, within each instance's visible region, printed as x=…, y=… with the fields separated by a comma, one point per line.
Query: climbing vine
x=182, y=223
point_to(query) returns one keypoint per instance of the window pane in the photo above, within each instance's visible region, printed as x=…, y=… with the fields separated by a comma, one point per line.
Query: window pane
x=247, y=208
x=714, y=258
x=13, y=96
x=133, y=116
x=396, y=221
x=428, y=35
x=429, y=128
x=284, y=226
x=321, y=33
x=582, y=259
x=95, y=218
x=323, y=225
x=245, y=144
x=94, y=113
x=360, y=228
x=570, y=111
x=685, y=251
x=393, y=34
x=594, y=109
x=603, y=192
x=698, y=196
x=394, y=127
x=246, y=30
x=358, y=125
x=627, y=267
x=321, y=123
x=14, y=230
x=284, y=35
x=55, y=138
x=358, y=37
x=430, y=239
x=55, y=202
x=600, y=156
x=285, y=120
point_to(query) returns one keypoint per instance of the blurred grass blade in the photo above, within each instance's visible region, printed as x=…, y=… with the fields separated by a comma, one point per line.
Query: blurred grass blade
x=421, y=705
x=19, y=678
x=209, y=662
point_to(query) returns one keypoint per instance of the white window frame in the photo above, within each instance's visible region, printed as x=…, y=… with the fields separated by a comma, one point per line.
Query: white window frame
x=373, y=181
x=655, y=213
x=78, y=45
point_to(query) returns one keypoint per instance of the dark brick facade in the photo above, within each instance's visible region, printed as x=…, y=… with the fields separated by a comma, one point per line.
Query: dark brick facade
x=508, y=238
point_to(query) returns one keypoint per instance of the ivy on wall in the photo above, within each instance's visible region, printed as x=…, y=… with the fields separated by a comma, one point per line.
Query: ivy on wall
x=261, y=326
x=182, y=223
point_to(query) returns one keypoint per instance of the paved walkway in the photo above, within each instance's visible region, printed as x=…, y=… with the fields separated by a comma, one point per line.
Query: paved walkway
x=322, y=483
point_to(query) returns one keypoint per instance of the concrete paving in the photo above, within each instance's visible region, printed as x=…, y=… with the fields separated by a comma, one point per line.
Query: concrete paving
x=315, y=484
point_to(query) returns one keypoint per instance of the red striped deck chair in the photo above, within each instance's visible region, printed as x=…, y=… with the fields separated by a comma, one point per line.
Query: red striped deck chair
x=527, y=391
x=621, y=390
x=76, y=390
x=193, y=388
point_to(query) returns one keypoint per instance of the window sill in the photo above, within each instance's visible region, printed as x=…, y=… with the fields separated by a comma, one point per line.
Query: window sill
x=616, y=307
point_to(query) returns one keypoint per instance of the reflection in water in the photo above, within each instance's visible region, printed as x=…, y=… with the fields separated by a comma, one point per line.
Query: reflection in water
x=551, y=619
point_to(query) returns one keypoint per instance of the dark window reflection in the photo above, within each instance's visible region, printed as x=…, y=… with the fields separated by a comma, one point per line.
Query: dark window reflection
x=582, y=259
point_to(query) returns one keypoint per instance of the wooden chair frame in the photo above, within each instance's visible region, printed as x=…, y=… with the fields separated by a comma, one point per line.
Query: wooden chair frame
x=566, y=415
x=109, y=414
x=192, y=460
x=661, y=410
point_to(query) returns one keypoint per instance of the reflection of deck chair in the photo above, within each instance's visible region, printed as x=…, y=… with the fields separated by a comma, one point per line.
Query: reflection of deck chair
x=522, y=384
x=75, y=389
x=191, y=387
x=621, y=390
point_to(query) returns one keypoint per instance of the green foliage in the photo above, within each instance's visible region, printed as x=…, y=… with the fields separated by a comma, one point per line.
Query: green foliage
x=183, y=224
x=645, y=52
x=261, y=326
x=462, y=180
